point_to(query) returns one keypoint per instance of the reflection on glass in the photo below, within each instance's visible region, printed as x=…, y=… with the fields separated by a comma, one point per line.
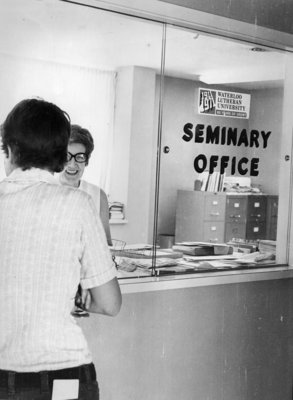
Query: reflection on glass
x=222, y=123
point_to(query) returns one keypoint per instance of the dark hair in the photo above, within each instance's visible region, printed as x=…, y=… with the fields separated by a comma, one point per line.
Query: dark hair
x=83, y=136
x=37, y=133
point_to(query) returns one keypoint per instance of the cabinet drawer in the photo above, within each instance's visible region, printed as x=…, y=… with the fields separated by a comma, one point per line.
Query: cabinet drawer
x=214, y=208
x=272, y=206
x=236, y=209
x=255, y=230
x=213, y=232
x=256, y=208
x=235, y=230
x=272, y=230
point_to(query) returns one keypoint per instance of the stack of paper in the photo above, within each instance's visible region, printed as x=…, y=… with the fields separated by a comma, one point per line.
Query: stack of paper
x=267, y=246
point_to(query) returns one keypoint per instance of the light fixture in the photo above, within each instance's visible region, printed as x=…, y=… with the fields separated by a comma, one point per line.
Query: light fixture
x=258, y=49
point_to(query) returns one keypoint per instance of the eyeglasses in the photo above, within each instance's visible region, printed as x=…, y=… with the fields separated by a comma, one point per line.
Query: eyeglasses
x=78, y=157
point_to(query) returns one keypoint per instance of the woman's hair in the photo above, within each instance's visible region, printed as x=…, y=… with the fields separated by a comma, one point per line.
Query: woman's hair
x=37, y=133
x=83, y=136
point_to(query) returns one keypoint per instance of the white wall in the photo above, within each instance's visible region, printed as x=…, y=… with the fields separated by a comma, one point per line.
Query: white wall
x=77, y=90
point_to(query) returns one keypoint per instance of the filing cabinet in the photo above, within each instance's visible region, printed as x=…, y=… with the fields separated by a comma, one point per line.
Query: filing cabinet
x=219, y=217
x=256, y=217
x=200, y=216
x=235, y=217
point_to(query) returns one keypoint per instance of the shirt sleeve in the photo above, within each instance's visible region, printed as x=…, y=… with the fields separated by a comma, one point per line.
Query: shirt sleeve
x=97, y=266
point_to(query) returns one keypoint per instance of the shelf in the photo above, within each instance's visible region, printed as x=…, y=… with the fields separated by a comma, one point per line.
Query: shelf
x=118, y=221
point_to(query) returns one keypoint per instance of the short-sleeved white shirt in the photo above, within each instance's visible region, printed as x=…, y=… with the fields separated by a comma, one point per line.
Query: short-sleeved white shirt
x=51, y=238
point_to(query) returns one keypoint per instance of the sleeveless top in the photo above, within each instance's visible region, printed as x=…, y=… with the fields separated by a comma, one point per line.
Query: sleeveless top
x=93, y=190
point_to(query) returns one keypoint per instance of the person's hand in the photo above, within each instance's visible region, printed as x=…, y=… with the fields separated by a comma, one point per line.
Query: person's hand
x=85, y=299
x=82, y=302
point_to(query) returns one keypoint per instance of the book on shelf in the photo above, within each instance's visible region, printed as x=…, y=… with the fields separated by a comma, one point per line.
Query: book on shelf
x=204, y=180
x=116, y=210
x=116, y=215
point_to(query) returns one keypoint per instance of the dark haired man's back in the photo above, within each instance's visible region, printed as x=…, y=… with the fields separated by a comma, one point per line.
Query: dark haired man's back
x=51, y=239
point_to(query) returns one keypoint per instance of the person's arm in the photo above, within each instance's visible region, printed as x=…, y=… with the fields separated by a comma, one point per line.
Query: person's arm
x=98, y=277
x=105, y=299
x=104, y=214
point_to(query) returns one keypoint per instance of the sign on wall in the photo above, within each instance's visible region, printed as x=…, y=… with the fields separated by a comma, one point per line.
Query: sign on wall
x=223, y=103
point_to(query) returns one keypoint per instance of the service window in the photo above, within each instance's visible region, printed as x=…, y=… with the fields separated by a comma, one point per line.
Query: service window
x=192, y=131
x=224, y=187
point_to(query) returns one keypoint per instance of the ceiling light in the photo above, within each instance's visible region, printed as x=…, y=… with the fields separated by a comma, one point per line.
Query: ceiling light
x=259, y=49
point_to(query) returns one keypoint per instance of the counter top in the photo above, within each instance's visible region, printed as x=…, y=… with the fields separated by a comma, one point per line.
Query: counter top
x=180, y=281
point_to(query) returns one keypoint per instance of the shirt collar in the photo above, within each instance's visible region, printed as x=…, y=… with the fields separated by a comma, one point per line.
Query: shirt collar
x=30, y=176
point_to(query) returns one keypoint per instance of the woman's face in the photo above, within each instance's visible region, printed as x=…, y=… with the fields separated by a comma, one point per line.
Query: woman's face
x=73, y=170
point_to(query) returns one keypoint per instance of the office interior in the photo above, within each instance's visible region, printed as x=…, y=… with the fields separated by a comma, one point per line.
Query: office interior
x=135, y=75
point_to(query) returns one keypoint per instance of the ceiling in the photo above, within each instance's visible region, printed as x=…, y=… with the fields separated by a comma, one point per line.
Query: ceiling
x=60, y=32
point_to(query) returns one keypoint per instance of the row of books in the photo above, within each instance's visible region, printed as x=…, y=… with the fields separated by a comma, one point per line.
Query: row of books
x=116, y=210
x=217, y=182
x=212, y=182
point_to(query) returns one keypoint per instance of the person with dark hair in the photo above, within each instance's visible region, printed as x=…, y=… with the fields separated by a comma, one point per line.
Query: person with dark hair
x=80, y=148
x=52, y=239
x=35, y=133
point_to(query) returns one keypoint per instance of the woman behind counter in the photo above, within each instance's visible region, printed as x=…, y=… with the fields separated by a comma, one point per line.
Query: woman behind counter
x=80, y=148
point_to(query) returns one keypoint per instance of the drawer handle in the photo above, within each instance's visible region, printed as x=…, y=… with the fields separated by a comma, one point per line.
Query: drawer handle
x=255, y=216
x=235, y=216
x=215, y=214
x=214, y=240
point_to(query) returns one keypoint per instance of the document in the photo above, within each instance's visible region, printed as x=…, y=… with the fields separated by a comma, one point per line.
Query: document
x=65, y=389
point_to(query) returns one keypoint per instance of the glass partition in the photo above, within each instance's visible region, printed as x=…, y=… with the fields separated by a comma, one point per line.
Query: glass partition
x=192, y=131
x=223, y=179
x=102, y=68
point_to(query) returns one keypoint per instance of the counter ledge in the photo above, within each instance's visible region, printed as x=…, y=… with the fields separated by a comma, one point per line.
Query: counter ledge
x=149, y=284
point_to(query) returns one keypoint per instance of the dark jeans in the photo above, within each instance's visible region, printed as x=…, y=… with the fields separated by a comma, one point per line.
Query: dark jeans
x=38, y=385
